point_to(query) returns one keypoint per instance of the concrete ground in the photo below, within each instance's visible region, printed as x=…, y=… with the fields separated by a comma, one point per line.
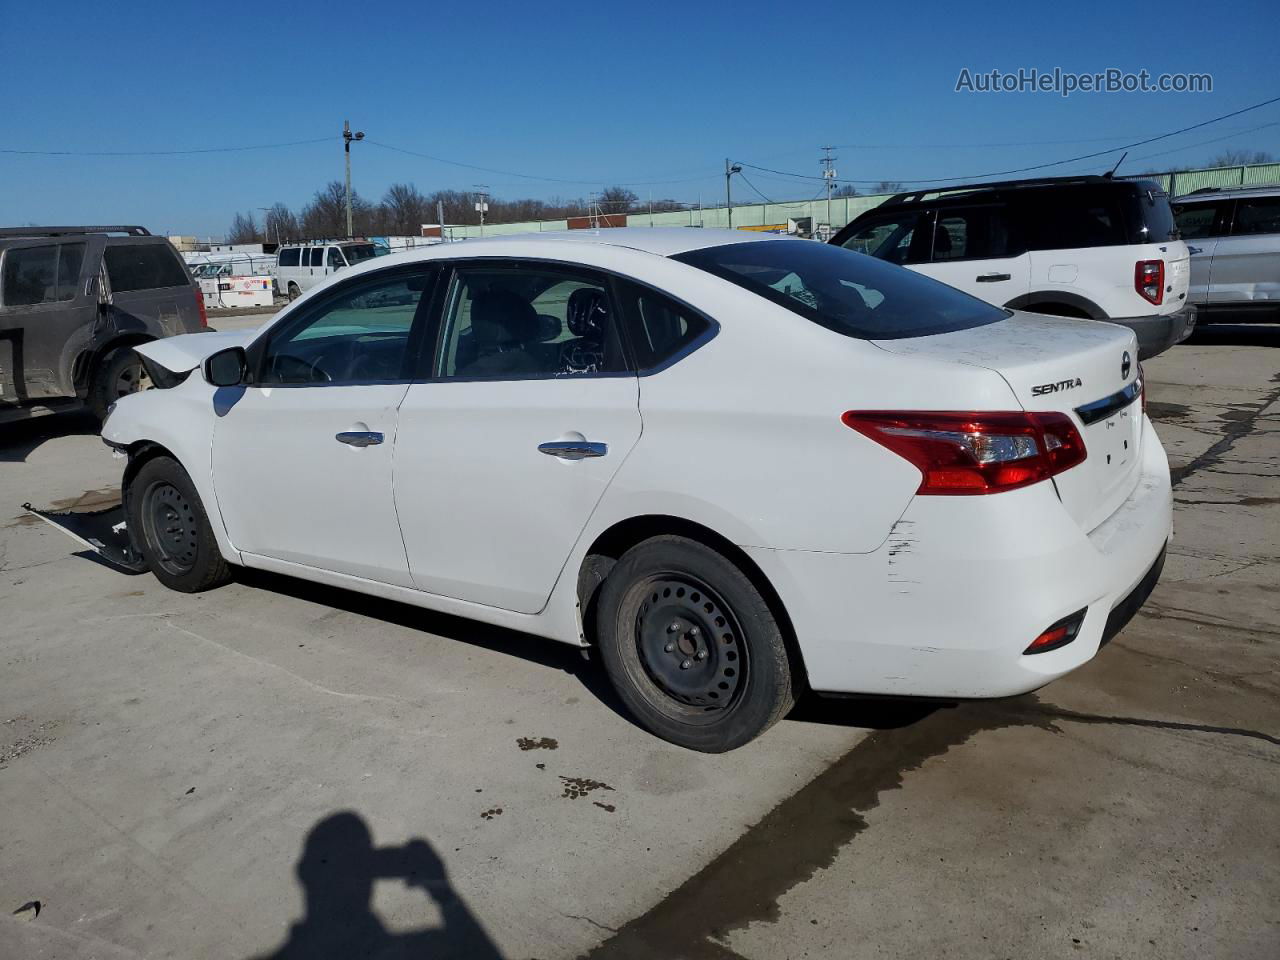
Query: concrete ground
x=278, y=769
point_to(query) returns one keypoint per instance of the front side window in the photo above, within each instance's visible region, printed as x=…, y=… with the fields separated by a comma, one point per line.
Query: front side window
x=359, y=252
x=143, y=267
x=888, y=238
x=972, y=233
x=335, y=259
x=1257, y=215
x=506, y=323
x=1197, y=220
x=44, y=274
x=854, y=295
x=361, y=335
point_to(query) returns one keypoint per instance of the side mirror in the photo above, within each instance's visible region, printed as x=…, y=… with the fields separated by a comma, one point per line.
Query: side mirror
x=226, y=368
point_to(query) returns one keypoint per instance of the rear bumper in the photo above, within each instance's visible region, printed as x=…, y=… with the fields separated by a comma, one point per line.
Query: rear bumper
x=947, y=605
x=1156, y=334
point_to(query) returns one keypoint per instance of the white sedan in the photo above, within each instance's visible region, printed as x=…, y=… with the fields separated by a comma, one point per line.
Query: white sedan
x=737, y=467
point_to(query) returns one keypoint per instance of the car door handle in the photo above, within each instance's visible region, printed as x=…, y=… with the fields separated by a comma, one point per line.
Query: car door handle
x=993, y=277
x=359, y=438
x=573, y=449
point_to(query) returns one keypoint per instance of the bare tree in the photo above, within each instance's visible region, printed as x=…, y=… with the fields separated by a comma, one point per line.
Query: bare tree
x=618, y=200
x=405, y=209
x=243, y=229
x=888, y=186
x=280, y=224
x=1240, y=158
x=846, y=190
x=326, y=214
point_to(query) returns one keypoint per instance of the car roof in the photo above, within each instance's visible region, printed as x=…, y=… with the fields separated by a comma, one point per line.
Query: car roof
x=662, y=241
x=1207, y=194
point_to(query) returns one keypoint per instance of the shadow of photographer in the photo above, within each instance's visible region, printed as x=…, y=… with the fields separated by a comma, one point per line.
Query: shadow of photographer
x=337, y=870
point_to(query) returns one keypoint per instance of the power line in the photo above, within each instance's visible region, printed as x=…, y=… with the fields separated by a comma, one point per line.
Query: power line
x=531, y=176
x=1204, y=143
x=753, y=187
x=160, y=153
x=1039, y=166
x=1017, y=143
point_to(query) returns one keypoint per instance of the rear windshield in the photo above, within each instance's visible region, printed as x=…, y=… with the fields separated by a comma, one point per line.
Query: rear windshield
x=1151, y=215
x=358, y=252
x=852, y=294
x=144, y=267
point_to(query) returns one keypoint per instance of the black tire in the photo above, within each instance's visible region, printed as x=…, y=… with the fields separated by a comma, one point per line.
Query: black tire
x=691, y=646
x=294, y=291
x=170, y=527
x=118, y=374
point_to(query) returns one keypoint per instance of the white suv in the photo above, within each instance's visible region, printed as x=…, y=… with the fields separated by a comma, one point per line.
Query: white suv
x=1088, y=247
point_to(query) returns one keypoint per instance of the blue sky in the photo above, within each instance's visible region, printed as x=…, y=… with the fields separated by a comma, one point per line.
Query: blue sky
x=593, y=92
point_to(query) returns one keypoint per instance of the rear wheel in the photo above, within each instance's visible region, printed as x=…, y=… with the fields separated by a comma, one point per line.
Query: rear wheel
x=119, y=373
x=294, y=291
x=692, y=647
x=171, y=528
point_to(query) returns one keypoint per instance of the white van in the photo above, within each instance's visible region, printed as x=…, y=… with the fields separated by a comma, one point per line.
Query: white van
x=299, y=267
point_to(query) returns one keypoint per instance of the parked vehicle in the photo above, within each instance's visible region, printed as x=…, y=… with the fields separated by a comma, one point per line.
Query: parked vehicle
x=849, y=476
x=1088, y=247
x=299, y=267
x=74, y=301
x=1234, y=237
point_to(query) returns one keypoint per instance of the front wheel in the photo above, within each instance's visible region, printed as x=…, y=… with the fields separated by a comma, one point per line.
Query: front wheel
x=172, y=530
x=692, y=647
x=118, y=374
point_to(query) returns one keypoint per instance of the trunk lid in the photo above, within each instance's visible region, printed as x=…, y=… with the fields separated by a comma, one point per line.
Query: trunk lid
x=1086, y=369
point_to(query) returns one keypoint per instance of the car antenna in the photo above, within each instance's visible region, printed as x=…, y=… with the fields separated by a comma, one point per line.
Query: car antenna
x=1112, y=172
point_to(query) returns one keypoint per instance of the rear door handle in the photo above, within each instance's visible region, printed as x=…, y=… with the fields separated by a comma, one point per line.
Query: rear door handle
x=573, y=449
x=359, y=438
x=993, y=277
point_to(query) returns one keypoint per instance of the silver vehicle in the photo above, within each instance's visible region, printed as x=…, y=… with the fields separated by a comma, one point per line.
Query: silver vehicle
x=74, y=301
x=1234, y=238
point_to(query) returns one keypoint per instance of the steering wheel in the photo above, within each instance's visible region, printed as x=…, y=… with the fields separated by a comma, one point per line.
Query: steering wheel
x=290, y=369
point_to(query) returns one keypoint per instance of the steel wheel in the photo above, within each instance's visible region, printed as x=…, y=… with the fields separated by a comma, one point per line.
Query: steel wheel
x=171, y=527
x=688, y=643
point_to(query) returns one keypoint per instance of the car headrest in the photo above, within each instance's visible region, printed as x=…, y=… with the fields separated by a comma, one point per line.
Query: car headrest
x=587, y=312
x=502, y=318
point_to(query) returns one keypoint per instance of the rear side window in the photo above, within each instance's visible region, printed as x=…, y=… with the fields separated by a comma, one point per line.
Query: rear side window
x=854, y=295
x=289, y=257
x=1067, y=218
x=315, y=257
x=143, y=267
x=45, y=274
x=658, y=328
x=1197, y=220
x=972, y=233
x=1257, y=215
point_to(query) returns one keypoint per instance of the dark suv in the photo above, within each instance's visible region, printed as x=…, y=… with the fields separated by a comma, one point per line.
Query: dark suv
x=73, y=303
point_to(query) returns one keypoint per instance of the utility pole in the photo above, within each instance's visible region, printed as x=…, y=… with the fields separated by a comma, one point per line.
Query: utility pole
x=729, y=170
x=829, y=175
x=347, y=137
x=266, y=237
x=440, y=217
x=482, y=203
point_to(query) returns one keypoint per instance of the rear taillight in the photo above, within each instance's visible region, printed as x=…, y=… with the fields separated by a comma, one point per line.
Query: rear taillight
x=1148, y=280
x=1058, y=634
x=971, y=453
x=204, y=314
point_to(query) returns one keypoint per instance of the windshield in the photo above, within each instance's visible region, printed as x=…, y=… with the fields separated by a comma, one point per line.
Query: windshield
x=359, y=252
x=852, y=294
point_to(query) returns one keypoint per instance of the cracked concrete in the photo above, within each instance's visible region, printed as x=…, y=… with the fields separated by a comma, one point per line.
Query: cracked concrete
x=180, y=766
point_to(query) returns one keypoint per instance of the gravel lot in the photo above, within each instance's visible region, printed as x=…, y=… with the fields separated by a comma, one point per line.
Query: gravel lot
x=276, y=764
